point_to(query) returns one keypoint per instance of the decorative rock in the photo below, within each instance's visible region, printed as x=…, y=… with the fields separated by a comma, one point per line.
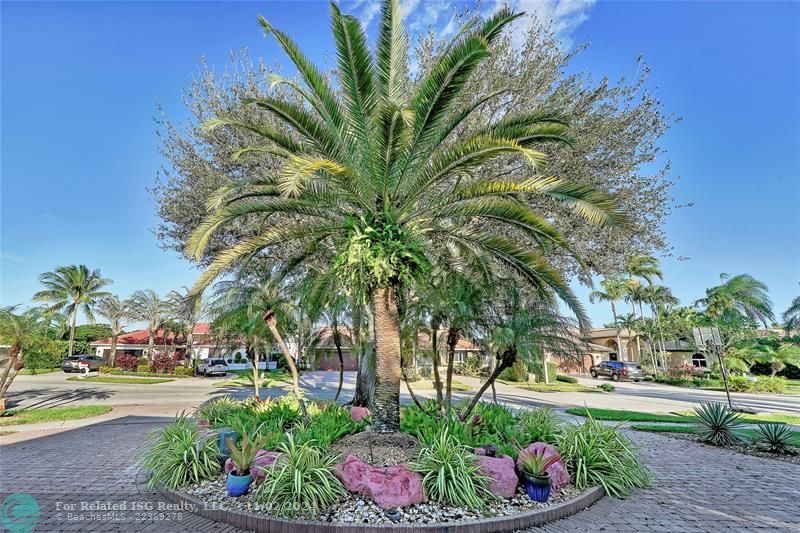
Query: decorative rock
x=559, y=476
x=359, y=413
x=501, y=471
x=262, y=461
x=389, y=487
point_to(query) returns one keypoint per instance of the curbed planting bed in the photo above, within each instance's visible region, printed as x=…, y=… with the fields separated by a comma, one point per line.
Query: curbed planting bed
x=265, y=523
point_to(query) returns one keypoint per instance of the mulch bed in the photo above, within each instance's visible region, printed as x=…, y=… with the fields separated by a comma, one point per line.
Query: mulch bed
x=378, y=449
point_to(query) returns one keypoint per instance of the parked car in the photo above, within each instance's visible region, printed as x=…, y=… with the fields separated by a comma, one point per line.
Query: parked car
x=618, y=370
x=78, y=363
x=210, y=367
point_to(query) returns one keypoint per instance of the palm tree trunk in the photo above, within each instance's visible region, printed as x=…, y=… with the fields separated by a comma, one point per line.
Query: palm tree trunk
x=337, y=341
x=638, y=344
x=272, y=324
x=437, y=379
x=151, y=342
x=72, y=319
x=365, y=375
x=506, y=361
x=660, y=334
x=5, y=382
x=452, y=340
x=256, y=375
x=190, y=343
x=386, y=402
x=545, y=371
x=113, y=354
x=620, y=349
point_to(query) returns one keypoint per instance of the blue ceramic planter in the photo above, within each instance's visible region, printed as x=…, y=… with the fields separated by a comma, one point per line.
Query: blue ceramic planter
x=223, y=434
x=538, y=487
x=238, y=485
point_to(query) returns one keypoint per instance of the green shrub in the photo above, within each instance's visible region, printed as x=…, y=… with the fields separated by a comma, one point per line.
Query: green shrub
x=596, y=454
x=143, y=368
x=517, y=372
x=184, y=371
x=648, y=378
x=538, y=425
x=775, y=438
x=717, y=424
x=179, y=455
x=450, y=473
x=607, y=387
x=426, y=372
x=770, y=384
x=327, y=426
x=566, y=379
x=301, y=481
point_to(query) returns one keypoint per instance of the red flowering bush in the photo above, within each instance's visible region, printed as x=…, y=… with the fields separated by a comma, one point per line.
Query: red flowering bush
x=163, y=364
x=684, y=372
x=127, y=363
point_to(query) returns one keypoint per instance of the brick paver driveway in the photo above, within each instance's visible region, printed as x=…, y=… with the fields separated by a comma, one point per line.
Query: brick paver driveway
x=696, y=488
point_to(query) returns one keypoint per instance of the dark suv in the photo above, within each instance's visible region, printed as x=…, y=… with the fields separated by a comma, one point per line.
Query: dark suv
x=618, y=370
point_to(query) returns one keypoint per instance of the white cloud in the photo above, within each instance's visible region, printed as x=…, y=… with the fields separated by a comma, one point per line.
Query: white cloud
x=564, y=15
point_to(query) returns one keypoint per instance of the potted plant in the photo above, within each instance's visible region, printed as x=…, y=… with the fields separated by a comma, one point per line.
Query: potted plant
x=243, y=457
x=536, y=478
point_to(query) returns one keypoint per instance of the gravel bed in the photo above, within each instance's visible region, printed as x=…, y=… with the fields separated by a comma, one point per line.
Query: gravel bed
x=355, y=509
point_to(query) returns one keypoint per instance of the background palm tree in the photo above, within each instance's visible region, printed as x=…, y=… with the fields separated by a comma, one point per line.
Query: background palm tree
x=743, y=295
x=72, y=288
x=640, y=267
x=19, y=331
x=187, y=308
x=147, y=306
x=791, y=317
x=374, y=182
x=117, y=312
x=613, y=291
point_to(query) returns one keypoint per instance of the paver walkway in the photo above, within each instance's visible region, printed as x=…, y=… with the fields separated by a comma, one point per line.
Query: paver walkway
x=696, y=488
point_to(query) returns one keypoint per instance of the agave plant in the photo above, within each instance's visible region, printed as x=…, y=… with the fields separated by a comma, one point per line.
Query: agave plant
x=536, y=464
x=718, y=424
x=775, y=438
x=379, y=182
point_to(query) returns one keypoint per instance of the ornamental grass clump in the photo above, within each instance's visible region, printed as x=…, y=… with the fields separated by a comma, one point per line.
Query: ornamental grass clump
x=327, y=426
x=180, y=454
x=450, y=473
x=301, y=481
x=217, y=410
x=538, y=425
x=717, y=424
x=596, y=454
x=775, y=438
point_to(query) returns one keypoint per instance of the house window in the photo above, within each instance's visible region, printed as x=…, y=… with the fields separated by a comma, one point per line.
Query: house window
x=699, y=360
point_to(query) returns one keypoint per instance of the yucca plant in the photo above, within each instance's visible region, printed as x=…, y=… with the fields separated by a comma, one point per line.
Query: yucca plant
x=717, y=424
x=775, y=438
x=301, y=481
x=450, y=473
x=216, y=410
x=180, y=454
x=596, y=454
x=379, y=184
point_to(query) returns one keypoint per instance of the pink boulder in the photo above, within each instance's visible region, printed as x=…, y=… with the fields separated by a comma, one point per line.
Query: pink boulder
x=501, y=471
x=389, y=487
x=262, y=461
x=359, y=413
x=558, y=470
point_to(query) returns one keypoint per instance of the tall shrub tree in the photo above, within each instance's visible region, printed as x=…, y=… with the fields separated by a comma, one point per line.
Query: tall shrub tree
x=149, y=307
x=368, y=184
x=73, y=288
x=118, y=313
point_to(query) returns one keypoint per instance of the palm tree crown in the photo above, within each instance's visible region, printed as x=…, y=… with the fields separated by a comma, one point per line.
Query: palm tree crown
x=742, y=294
x=379, y=181
x=148, y=307
x=72, y=288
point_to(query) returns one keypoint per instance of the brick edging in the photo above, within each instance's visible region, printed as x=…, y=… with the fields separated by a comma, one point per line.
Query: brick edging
x=269, y=524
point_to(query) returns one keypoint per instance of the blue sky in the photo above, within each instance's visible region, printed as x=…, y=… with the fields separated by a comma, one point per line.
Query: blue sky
x=80, y=82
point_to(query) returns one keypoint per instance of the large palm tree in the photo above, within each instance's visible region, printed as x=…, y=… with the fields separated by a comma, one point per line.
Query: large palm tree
x=147, y=306
x=117, y=312
x=613, y=291
x=742, y=295
x=379, y=181
x=72, y=288
x=19, y=331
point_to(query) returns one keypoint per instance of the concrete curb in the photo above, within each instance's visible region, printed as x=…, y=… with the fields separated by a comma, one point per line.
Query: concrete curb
x=268, y=524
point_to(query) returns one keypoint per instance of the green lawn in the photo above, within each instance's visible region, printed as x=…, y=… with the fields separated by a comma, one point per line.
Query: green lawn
x=34, y=371
x=748, y=434
x=682, y=416
x=145, y=375
x=424, y=384
x=793, y=387
x=50, y=414
x=556, y=386
x=127, y=381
